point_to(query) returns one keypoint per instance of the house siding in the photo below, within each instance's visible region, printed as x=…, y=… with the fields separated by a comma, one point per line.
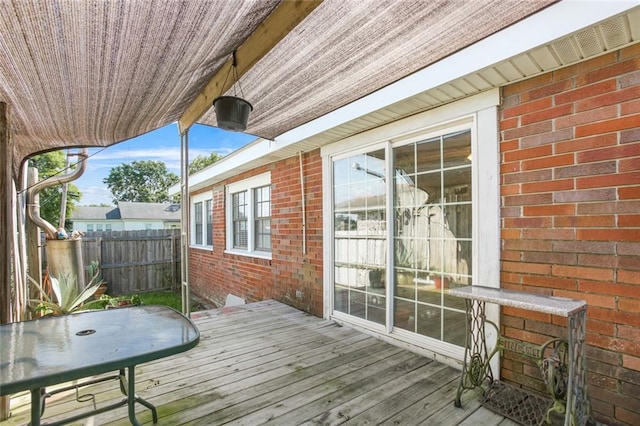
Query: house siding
x=291, y=276
x=570, y=217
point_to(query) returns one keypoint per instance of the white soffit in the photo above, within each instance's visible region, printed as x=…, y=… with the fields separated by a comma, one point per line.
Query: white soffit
x=565, y=33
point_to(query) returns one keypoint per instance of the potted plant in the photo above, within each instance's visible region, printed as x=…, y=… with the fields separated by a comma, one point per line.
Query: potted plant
x=66, y=297
x=441, y=281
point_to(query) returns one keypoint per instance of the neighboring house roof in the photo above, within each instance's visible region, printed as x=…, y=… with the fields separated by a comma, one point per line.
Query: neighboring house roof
x=129, y=211
x=95, y=213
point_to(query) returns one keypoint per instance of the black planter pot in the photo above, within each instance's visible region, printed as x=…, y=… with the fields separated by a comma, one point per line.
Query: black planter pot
x=232, y=113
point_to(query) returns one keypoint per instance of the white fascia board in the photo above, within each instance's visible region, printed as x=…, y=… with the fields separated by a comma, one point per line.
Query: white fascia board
x=555, y=21
x=256, y=149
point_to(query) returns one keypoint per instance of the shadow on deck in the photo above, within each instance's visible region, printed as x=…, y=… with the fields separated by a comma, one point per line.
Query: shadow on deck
x=270, y=363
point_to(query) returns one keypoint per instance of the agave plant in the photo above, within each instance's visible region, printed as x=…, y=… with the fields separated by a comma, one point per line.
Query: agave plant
x=67, y=297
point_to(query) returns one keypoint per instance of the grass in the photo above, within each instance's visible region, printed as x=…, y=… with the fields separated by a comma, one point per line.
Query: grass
x=171, y=299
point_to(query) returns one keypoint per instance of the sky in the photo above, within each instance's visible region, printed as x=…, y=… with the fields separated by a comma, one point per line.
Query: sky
x=160, y=145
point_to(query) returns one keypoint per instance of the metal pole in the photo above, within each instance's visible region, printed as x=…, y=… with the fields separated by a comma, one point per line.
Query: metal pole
x=184, y=224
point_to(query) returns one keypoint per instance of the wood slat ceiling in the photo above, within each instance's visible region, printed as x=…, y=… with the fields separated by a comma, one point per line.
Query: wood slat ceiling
x=78, y=73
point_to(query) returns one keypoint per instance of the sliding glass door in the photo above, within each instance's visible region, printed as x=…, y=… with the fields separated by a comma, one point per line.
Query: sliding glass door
x=422, y=214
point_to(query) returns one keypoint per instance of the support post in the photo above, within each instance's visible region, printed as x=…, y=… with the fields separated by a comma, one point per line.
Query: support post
x=6, y=229
x=184, y=223
x=34, y=251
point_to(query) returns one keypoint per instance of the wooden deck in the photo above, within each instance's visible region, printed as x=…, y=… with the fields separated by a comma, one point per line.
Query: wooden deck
x=269, y=363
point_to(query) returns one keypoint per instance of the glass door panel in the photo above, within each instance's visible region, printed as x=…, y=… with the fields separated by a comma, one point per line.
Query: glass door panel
x=432, y=235
x=360, y=230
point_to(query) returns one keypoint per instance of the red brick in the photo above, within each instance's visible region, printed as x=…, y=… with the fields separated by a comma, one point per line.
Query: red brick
x=631, y=362
x=528, y=199
x=631, y=135
x=525, y=314
x=532, y=129
x=550, y=282
x=629, y=193
x=509, y=145
x=510, y=189
x=599, y=260
x=582, y=272
x=583, y=221
x=509, y=233
x=527, y=222
x=611, y=98
x=550, y=210
x=549, y=186
x=549, y=234
x=588, y=143
x=629, y=164
x=631, y=220
x=610, y=287
x=610, y=71
x=630, y=277
x=604, y=194
x=535, y=152
x=608, y=234
x=530, y=176
x=527, y=85
x=585, y=92
x=608, y=153
x=590, y=116
x=627, y=416
x=548, y=162
x=631, y=107
x=587, y=169
x=526, y=268
x=546, y=138
x=527, y=107
x=586, y=66
x=509, y=123
x=622, y=123
x=608, y=207
x=591, y=299
x=618, y=179
x=528, y=245
x=546, y=114
x=591, y=247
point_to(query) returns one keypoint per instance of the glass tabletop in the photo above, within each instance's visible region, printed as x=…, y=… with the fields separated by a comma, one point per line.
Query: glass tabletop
x=57, y=349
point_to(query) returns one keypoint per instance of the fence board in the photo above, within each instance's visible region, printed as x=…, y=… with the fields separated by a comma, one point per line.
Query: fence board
x=135, y=261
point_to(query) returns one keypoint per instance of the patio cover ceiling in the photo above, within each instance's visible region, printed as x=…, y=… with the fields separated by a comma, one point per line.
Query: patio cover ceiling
x=94, y=73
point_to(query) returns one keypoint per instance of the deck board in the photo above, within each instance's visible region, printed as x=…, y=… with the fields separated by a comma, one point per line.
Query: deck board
x=270, y=363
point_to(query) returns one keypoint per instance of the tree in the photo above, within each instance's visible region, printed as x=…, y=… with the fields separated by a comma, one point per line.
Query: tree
x=51, y=164
x=141, y=181
x=200, y=162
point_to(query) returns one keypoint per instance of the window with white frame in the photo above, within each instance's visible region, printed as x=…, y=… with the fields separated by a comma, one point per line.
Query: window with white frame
x=202, y=220
x=249, y=216
x=89, y=227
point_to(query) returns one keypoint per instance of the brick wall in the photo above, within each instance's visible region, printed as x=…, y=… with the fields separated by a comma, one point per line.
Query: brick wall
x=570, y=198
x=291, y=276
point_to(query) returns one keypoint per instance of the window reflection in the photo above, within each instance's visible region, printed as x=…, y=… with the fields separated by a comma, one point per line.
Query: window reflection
x=432, y=233
x=360, y=229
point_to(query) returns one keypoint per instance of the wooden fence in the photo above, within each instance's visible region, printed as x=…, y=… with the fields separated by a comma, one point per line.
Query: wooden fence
x=135, y=261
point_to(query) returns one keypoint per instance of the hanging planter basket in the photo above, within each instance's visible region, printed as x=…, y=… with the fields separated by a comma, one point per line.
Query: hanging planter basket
x=232, y=113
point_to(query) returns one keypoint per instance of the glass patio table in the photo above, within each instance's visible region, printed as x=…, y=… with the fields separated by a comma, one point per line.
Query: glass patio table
x=53, y=350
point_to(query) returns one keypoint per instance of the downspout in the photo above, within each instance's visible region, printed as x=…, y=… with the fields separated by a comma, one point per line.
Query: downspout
x=304, y=208
x=33, y=208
